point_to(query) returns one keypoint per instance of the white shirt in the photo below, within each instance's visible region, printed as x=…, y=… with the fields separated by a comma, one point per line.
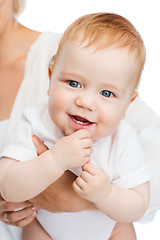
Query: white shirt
x=112, y=154
x=147, y=124
x=3, y=129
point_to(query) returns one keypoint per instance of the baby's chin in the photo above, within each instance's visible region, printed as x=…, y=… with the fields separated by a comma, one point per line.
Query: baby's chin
x=68, y=132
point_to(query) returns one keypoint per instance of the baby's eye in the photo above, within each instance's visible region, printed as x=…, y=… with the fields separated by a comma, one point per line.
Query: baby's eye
x=106, y=93
x=74, y=84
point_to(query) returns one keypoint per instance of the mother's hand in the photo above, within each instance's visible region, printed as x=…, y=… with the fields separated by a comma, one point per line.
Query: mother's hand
x=18, y=214
x=60, y=196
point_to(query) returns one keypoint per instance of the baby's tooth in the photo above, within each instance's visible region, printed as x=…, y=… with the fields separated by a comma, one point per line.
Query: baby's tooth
x=80, y=122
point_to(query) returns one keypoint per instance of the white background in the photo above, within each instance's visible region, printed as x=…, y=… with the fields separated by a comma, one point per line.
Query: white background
x=56, y=15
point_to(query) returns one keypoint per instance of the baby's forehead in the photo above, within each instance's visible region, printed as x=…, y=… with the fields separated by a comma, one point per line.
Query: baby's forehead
x=110, y=58
x=77, y=45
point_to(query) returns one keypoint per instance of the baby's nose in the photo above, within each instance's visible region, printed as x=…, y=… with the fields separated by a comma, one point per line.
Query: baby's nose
x=86, y=102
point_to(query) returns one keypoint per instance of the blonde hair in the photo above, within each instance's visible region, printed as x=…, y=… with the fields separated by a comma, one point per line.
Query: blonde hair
x=18, y=6
x=103, y=30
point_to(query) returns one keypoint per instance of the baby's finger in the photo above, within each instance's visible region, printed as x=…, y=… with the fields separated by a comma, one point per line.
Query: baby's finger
x=80, y=182
x=76, y=188
x=87, y=152
x=85, y=160
x=86, y=176
x=91, y=168
x=82, y=133
x=40, y=147
x=86, y=142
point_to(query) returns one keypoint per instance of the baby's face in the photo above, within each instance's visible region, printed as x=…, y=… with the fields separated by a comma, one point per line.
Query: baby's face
x=91, y=89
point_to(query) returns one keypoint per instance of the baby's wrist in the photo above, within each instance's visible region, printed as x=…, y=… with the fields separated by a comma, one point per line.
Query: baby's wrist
x=106, y=200
x=57, y=160
x=53, y=164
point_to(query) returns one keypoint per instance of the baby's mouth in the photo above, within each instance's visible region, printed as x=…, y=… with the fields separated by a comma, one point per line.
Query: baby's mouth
x=80, y=120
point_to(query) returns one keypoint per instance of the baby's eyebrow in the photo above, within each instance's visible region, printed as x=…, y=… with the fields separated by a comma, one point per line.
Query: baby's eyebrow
x=73, y=75
x=111, y=86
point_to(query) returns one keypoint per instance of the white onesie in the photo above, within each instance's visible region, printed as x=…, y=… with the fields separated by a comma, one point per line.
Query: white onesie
x=119, y=155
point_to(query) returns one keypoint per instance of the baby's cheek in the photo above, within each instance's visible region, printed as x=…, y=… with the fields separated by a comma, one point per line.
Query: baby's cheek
x=60, y=100
x=109, y=123
x=55, y=103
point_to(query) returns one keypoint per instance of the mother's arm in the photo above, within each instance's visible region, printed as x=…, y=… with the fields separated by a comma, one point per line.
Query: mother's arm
x=60, y=197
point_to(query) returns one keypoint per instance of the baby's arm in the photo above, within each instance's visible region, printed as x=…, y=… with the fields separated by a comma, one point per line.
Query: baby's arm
x=27, y=179
x=122, y=205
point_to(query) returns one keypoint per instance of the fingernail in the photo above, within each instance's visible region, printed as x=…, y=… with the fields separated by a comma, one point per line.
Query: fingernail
x=35, y=140
x=34, y=209
x=34, y=213
x=18, y=209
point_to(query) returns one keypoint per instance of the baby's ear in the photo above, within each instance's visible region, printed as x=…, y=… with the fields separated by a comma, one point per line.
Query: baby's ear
x=51, y=67
x=48, y=91
x=134, y=95
x=50, y=71
x=50, y=75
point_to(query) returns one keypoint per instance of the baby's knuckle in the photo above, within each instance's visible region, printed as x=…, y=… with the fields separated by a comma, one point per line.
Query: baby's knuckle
x=90, y=142
x=85, y=133
x=83, y=174
x=90, y=150
x=87, y=158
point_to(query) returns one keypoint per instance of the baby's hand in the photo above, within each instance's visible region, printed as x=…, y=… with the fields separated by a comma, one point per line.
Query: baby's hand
x=74, y=150
x=93, y=184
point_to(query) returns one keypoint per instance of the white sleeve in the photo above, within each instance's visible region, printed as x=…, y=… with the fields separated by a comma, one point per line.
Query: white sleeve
x=20, y=146
x=131, y=168
x=147, y=124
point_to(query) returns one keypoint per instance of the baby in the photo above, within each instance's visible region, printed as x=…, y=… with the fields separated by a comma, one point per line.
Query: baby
x=93, y=79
